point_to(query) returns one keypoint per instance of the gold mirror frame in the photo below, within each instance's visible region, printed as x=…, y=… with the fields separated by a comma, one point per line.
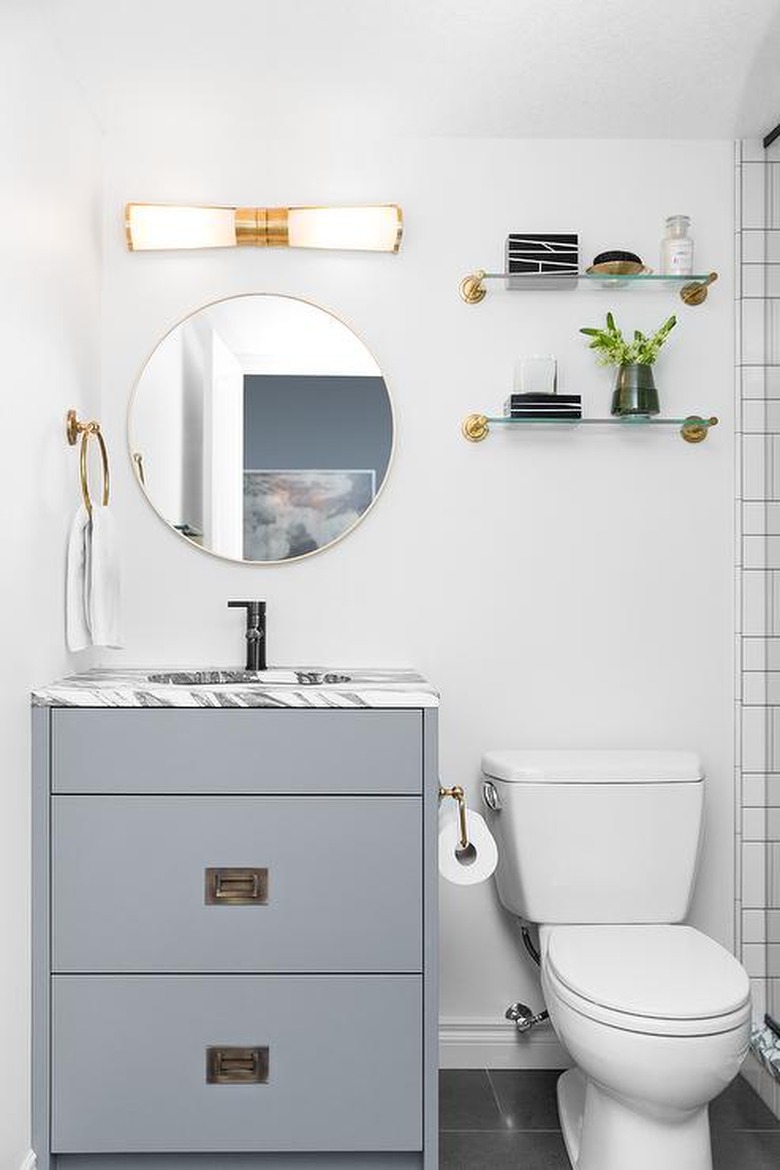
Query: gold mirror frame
x=136, y=457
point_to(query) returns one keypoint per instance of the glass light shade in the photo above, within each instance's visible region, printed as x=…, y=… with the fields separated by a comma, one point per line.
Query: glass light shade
x=152, y=227
x=156, y=226
x=371, y=229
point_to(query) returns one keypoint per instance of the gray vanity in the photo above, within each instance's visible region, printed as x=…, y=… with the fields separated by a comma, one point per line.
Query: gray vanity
x=235, y=925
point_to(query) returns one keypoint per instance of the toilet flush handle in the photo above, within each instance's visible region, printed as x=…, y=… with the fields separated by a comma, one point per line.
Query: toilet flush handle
x=490, y=796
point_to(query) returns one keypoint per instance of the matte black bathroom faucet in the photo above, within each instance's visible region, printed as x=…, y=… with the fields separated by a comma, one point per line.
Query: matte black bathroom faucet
x=255, y=632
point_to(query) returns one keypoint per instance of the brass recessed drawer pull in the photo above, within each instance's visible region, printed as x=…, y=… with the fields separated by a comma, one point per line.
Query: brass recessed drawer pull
x=237, y=1066
x=236, y=887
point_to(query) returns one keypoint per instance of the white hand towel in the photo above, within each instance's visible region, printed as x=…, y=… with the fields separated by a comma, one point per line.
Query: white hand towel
x=102, y=576
x=76, y=627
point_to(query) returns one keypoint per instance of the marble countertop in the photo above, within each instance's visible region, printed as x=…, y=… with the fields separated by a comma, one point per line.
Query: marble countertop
x=113, y=687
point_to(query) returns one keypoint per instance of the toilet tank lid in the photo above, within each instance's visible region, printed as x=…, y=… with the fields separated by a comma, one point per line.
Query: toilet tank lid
x=590, y=766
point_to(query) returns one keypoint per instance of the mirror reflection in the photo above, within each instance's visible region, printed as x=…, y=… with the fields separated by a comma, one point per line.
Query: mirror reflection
x=261, y=428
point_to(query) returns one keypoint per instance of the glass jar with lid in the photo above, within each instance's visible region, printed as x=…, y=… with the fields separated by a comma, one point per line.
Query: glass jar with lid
x=677, y=247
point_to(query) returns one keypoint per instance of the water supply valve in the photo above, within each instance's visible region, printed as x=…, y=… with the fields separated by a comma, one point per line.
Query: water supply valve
x=523, y=1018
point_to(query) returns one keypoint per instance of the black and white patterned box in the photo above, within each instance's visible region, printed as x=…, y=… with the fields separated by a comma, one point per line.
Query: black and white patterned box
x=542, y=260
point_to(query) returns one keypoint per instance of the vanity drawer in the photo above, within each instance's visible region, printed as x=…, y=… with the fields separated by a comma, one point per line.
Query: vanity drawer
x=236, y=751
x=266, y=1161
x=129, y=1063
x=324, y=884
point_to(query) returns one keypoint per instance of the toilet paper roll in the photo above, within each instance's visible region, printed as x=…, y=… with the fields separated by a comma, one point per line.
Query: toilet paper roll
x=479, y=861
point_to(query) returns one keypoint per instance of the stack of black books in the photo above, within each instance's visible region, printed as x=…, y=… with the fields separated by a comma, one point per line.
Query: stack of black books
x=550, y=406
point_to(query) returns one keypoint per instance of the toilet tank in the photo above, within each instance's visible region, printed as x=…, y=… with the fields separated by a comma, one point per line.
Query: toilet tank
x=595, y=837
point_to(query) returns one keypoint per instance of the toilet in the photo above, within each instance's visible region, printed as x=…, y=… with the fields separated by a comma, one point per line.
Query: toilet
x=600, y=850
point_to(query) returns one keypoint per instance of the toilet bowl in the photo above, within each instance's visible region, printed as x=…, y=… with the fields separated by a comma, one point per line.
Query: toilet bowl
x=600, y=850
x=657, y=1019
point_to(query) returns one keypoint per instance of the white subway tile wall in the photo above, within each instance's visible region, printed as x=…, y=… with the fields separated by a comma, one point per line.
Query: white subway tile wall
x=760, y=280
x=754, y=885
x=760, y=382
x=757, y=559
x=753, y=926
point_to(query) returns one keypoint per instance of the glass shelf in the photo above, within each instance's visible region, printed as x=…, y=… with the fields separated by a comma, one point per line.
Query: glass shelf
x=644, y=278
x=692, y=428
x=693, y=289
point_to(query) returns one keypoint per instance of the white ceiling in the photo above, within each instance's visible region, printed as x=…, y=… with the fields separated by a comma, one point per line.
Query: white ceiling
x=525, y=68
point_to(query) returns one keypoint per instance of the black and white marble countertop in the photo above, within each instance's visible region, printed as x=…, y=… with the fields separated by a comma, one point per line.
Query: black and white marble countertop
x=281, y=687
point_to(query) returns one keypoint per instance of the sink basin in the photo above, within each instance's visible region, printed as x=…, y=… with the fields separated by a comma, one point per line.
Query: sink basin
x=258, y=678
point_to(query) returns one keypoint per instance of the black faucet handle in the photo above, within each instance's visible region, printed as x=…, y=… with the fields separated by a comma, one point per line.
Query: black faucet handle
x=254, y=609
x=255, y=632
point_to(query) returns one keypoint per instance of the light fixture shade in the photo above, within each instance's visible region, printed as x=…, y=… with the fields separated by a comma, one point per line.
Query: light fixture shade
x=369, y=229
x=151, y=227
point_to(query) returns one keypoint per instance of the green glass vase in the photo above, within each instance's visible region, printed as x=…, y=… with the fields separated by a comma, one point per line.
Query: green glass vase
x=634, y=391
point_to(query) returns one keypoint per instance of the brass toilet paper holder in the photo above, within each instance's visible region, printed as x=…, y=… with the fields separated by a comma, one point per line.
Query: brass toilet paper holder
x=457, y=793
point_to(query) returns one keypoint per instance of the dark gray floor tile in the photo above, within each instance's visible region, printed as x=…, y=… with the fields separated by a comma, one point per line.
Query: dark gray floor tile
x=740, y=1107
x=508, y=1151
x=466, y=1100
x=745, y=1149
x=526, y=1097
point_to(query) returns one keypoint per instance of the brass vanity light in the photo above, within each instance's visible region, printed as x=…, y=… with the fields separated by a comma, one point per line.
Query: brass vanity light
x=155, y=226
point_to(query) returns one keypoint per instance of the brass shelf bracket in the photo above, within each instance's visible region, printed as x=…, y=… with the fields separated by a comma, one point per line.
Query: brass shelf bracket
x=472, y=288
x=696, y=429
x=696, y=294
x=475, y=428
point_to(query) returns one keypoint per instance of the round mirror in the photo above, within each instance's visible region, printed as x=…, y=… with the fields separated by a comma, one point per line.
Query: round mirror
x=261, y=428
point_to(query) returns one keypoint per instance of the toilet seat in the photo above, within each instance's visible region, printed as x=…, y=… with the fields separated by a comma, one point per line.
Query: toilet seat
x=660, y=980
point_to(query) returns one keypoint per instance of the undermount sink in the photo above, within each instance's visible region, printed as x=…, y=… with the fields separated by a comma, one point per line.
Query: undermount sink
x=221, y=678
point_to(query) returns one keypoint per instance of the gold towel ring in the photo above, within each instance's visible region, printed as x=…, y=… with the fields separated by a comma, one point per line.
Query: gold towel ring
x=74, y=428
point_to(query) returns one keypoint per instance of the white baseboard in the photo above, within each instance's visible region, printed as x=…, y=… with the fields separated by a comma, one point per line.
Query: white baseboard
x=30, y=1162
x=496, y=1044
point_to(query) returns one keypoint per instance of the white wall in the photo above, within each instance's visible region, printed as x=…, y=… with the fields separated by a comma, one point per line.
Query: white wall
x=49, y=322
x=561, y=589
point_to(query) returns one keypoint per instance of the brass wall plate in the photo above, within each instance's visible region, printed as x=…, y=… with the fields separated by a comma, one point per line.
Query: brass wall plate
x=475, y=428
x=472, y=290
x=695, y=293
x=262, y=227
x=237, y=1066
x=72, y=427
x=232, y=886
x=696, y=429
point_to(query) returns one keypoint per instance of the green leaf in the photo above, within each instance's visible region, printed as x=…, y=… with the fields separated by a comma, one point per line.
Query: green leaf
x=612, y=348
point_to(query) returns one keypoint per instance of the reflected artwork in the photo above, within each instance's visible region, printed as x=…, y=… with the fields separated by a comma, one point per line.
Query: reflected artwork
x=291, y=513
